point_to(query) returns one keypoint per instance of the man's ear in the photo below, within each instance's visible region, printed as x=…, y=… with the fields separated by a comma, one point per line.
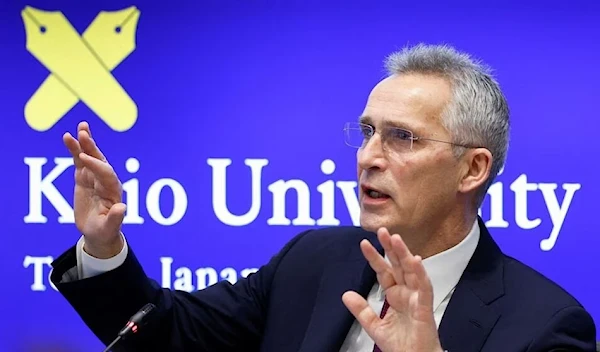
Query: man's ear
x=476, y=169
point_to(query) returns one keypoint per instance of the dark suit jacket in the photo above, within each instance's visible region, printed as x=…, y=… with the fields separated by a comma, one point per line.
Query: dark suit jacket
x=293, y=303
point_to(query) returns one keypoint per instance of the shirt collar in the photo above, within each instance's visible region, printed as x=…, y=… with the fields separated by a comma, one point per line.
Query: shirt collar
x=445, y=269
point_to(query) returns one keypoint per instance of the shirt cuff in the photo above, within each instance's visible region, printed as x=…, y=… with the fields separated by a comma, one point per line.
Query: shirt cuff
x=88, y=266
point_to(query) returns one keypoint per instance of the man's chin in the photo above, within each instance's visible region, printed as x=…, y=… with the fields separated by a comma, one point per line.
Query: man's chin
x=372, y=222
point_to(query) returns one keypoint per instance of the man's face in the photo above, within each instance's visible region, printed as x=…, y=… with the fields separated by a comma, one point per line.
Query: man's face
x=416, y=186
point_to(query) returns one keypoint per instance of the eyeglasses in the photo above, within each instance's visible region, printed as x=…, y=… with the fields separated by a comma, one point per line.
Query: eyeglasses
x=357, y=135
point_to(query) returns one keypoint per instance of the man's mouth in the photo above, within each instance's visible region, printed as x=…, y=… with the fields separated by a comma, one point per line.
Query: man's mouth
x=374, y=193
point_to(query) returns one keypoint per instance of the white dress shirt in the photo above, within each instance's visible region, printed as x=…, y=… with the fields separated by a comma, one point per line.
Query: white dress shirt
x=444, y=269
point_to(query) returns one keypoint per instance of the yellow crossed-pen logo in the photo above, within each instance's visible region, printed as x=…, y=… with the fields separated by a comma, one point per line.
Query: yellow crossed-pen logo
x=80, y=66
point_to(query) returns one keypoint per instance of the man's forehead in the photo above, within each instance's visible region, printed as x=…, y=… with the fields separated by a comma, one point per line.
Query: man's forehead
x=406, y=122
x=412, y=92
x=414, y=102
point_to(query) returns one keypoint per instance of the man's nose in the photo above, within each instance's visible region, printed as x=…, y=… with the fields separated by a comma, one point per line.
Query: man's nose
x=372, y=154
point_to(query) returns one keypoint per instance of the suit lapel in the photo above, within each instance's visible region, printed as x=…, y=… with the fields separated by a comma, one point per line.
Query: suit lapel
x=331, y=320
x=471, y=314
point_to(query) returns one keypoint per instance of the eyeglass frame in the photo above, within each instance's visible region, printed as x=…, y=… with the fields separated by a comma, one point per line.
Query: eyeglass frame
x=385, y=133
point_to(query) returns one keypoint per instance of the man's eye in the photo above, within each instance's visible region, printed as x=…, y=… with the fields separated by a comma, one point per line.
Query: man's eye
x=402, y=134
x=367, y=132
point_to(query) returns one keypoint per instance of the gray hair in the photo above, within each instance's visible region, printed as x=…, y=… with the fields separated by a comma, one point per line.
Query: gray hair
x=478, y=113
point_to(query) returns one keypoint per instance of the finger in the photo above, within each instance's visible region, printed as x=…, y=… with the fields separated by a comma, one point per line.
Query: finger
x=88, y=145
x=401, y=266
x=412, y=282
x=407, y=262
x=425, y=287
x=400, y=248
x=115, y=217
x=378, y=263
x=361, y=310
x=102, y=170
x=383, y=235
x=84, y=126
x=386, y=242
x=399, y=299
x=401, y=251
x=74, y=148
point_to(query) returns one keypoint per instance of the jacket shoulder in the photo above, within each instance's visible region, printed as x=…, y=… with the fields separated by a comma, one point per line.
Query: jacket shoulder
x=334, y=233
x=534, y=288
x=339, y=236
x=330, y=242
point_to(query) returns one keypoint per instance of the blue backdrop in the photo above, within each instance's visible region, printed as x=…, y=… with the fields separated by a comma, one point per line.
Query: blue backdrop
x=225, y=104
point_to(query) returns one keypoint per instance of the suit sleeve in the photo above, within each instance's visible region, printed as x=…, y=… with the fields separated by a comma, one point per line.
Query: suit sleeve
x=570, y=329
x=222, y=317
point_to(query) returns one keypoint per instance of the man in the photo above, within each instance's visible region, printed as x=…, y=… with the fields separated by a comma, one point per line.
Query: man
x=431, y=139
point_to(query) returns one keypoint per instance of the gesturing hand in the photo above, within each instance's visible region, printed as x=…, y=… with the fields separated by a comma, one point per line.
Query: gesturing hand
x=409, y=324
x=98, y=209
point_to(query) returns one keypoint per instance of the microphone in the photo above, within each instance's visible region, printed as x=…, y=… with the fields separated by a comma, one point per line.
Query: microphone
x=133, y=325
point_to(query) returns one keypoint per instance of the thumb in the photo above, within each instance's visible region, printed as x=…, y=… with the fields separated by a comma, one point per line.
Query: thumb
x=115, y=216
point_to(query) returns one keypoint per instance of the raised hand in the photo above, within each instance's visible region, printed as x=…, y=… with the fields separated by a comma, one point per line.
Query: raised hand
x=99, y=211
x=408, y=324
